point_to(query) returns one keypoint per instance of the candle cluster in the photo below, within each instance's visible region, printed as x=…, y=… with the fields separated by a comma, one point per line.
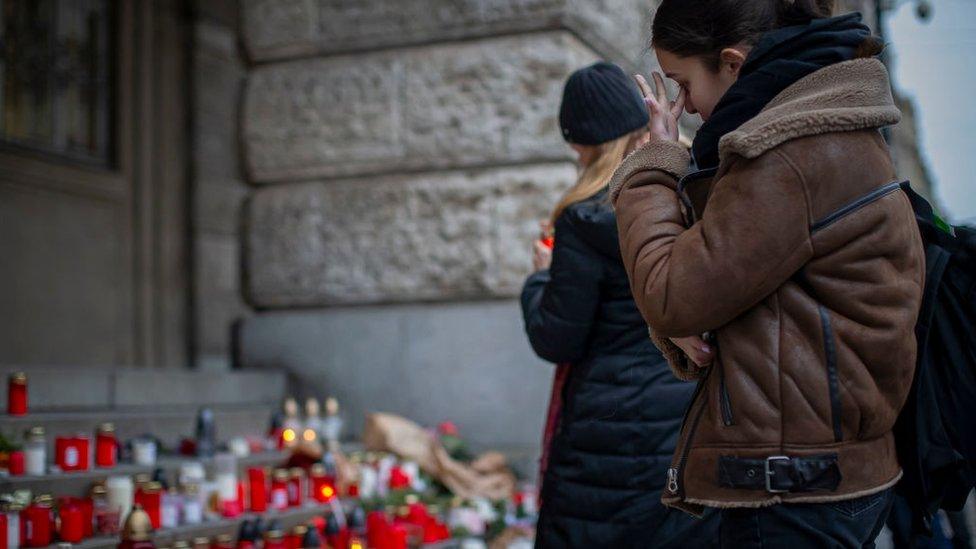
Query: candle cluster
x=365, y=499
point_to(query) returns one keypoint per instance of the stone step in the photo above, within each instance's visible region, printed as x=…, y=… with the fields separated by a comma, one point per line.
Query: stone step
x=79, y=483
x=81, y=388
x=288, y=518
x=162, y=403
x=167, y=423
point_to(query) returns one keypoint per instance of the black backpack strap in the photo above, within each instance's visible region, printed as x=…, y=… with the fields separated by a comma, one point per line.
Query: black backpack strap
x=932, y=226
x=936, y=260
x=923, y=210
x=936, y=257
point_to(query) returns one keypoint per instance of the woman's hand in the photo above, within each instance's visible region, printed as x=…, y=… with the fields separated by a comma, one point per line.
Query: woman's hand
x=542, y=253
x=664, y=112
x=697, y=350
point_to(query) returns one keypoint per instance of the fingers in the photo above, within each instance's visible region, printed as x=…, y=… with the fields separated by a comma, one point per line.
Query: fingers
x=700, y=358
x=679, y=104
x=643, y=85
x=662, y=90
x=697, y=350
x=652, y=103
x=541, y=256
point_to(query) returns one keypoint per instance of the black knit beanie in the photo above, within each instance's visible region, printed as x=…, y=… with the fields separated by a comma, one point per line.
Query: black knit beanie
x=600, y=104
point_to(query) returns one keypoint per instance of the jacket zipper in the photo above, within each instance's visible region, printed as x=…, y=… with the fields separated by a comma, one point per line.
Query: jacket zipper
x=675, y=483
x=725, y=402
x=676, y=474
x=830, y=355
x=857, y=204
x=679, y=475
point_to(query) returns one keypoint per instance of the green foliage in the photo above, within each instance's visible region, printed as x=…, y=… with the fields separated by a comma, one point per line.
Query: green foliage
x=8, y=445
x=456, y=448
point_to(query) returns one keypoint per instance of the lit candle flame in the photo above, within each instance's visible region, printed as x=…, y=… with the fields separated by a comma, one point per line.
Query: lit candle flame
x=288, y=435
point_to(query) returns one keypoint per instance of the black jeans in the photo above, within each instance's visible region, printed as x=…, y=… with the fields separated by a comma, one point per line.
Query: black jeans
x=852, y=524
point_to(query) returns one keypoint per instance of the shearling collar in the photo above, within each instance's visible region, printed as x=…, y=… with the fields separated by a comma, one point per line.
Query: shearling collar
x=847, y=96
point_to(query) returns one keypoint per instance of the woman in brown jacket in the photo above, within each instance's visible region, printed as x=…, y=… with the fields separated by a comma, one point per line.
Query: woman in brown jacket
x=783, y=271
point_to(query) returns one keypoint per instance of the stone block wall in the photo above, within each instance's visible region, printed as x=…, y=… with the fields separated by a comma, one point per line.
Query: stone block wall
x=438, y=236
x=284, y=29
x=487, y=102
x=401, y=153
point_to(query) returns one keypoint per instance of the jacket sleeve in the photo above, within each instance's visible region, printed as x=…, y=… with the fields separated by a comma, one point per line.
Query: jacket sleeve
x=559, y=304
x=753, y=236
x=681, y=365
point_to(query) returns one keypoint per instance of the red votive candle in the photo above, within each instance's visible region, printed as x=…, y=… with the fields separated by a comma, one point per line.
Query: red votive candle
x=87, y=506
x=279, y=489
x=37, y=524
x=295, y=482
x=376, y=527
x=106, y=446
x=15, y=464
x=257, y=489
x=274, y=539
x=150, y=496
x=396, y=537
x=72, y=523
x=322, y=485
x=294, y=538
x=17, y=394
x=71, y=453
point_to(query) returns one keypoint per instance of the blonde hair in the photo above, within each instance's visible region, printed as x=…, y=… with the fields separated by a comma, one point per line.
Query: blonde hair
x=596, y=176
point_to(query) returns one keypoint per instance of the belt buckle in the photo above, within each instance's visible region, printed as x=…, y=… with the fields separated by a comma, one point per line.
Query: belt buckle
x=769, y=473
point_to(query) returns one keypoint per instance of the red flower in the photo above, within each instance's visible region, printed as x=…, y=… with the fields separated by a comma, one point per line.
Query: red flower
x=448, y=428
x=398, y=479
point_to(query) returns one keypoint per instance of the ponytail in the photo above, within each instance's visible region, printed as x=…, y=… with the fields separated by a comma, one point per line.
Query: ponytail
x=801, y=12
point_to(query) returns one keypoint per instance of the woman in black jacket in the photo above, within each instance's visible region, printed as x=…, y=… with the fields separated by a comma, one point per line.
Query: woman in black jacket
x=616, y=408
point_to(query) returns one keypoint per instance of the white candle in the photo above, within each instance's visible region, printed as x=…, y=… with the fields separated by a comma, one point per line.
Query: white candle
x=120, y=492
x=35, y=459
x=192, y=504
x=13, y=529
x=225, y=474
x=144, y=452
x=169, y=516
x=35, y=452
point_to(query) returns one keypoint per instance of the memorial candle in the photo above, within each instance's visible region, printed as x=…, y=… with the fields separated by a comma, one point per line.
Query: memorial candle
x=257, y=489
x=106, y=446
x=17, y=394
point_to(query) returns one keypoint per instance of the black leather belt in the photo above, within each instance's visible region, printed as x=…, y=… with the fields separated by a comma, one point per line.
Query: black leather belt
x=779, y=474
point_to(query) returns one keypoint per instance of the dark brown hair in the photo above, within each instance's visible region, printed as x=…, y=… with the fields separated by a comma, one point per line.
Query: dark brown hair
x=704, y=28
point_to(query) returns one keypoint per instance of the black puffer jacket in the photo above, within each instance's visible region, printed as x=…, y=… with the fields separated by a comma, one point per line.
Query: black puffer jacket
x=622, y=407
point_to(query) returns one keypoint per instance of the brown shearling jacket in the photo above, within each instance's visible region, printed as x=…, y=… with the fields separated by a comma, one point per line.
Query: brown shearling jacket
x=800, y=260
